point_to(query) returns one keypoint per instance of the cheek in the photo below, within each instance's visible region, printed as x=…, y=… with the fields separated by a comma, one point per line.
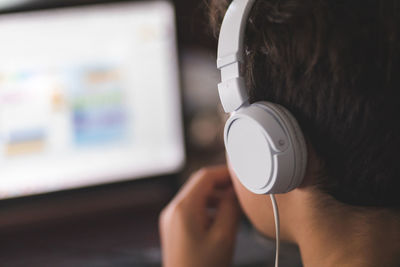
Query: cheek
x=257, y=208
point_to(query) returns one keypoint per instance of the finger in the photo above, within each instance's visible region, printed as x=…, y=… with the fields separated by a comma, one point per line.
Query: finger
x=203, y=182
x=194, y=196
x=227, y=217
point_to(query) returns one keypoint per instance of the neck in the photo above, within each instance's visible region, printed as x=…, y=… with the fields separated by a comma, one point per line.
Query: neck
x=336, y=235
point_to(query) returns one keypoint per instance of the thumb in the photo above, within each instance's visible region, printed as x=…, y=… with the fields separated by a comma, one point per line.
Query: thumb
x=227, y=216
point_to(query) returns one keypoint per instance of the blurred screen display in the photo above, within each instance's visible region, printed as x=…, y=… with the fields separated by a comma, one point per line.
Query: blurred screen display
x=88, y=95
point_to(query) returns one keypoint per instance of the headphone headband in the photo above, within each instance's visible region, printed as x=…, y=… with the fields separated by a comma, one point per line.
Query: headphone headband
x=232, y=90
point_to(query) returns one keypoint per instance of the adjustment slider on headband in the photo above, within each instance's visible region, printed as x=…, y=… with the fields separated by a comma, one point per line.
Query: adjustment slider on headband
x=232, y=89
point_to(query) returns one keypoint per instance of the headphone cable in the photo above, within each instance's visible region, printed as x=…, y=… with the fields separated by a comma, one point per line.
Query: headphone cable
x=277, y=228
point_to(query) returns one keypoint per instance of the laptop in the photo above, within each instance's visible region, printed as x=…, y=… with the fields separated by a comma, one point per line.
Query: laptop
x=89, y=98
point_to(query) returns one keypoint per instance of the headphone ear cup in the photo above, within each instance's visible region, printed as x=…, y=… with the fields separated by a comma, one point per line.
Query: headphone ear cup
x=266, y=148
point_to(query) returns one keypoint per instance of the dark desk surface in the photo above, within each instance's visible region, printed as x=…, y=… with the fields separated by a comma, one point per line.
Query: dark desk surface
x=119, y=238
x=112, y=239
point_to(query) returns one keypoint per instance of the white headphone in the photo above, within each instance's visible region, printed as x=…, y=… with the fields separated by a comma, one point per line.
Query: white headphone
x=263, y=140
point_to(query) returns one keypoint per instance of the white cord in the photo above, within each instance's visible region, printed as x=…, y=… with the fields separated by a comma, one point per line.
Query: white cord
x=277, y=228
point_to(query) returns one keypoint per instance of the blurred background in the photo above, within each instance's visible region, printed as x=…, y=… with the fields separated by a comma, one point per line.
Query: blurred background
x=106, y=107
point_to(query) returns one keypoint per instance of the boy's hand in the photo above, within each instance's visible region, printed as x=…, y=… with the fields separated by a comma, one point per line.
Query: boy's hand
x=198, y=228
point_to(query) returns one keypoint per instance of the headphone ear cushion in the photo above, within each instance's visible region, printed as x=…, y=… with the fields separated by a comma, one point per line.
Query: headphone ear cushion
x=298, y=140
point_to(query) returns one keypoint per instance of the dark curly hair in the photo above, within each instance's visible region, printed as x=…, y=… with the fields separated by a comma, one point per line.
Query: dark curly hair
x=336, y=66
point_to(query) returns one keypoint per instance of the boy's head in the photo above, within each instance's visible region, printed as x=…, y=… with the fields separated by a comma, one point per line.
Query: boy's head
x=334, y=65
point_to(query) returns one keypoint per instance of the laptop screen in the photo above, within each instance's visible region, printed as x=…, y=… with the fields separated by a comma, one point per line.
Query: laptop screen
x=88, y=95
